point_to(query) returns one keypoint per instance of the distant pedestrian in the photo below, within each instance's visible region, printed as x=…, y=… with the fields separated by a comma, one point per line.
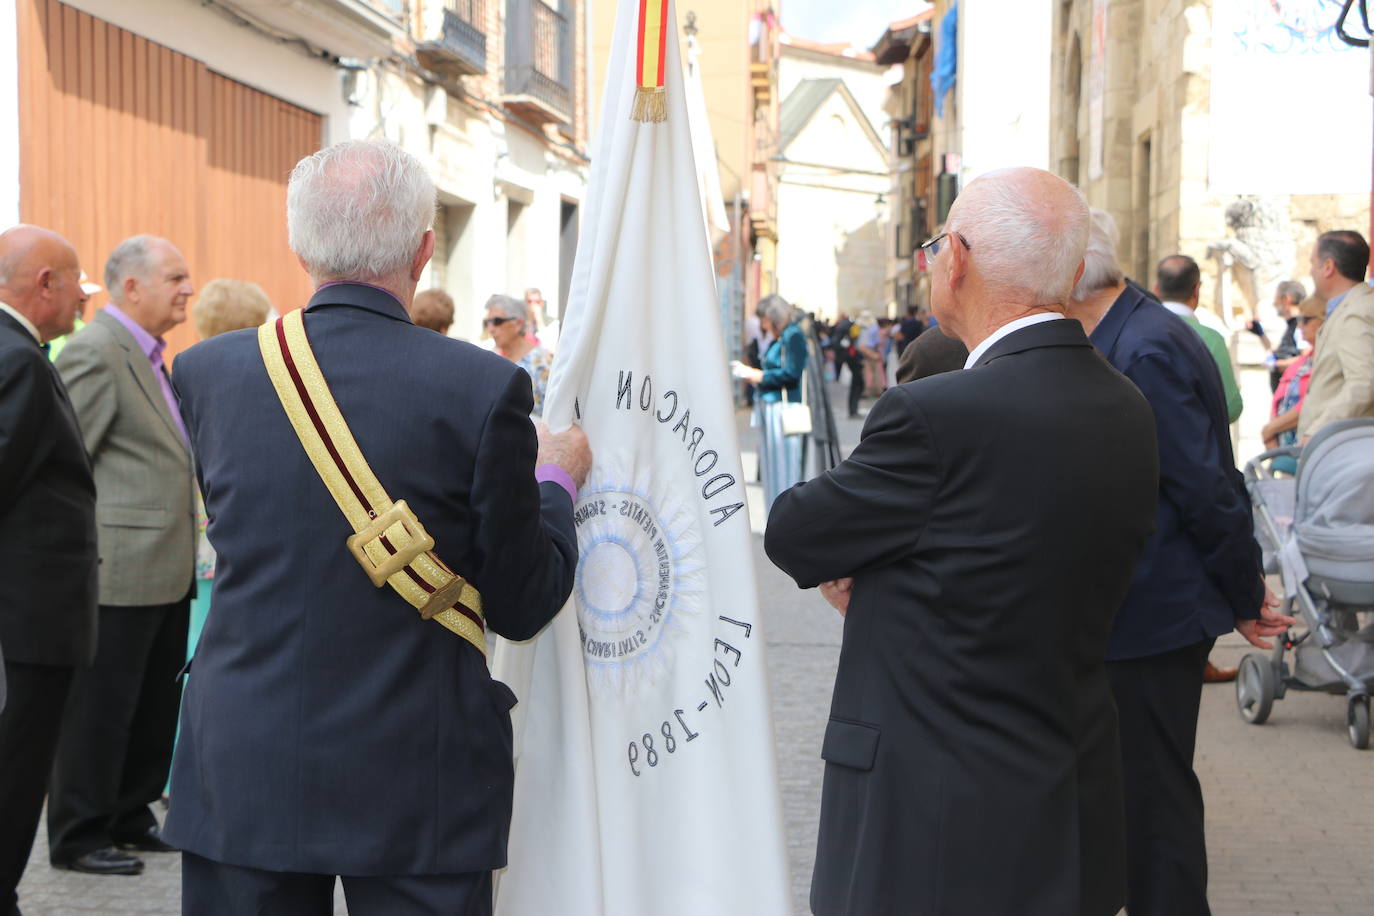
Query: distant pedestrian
x=433, y=309
x=1289, y=295
x=47, y=533
x=871, y=344
x=506, y=322
x=840, y=343
x=1343, y=368
x=1178, y=283
x=910, y=328
x=121, y=715
x=779, y=382
x=1282, y=429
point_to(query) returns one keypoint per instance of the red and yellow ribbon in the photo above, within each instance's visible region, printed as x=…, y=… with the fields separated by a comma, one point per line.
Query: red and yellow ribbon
x=651, y=102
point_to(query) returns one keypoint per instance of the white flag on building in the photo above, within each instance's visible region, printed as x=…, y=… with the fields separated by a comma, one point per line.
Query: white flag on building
x=646, y=780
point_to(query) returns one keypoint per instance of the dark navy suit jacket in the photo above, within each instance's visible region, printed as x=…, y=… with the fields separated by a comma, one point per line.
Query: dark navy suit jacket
x=326, y=727
x=1201, y=569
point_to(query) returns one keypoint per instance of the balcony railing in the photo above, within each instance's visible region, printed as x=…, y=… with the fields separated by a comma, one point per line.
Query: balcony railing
x=461, y=46
x=539, y=60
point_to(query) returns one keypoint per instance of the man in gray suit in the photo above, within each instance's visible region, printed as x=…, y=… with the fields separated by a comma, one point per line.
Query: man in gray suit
x=121, y=714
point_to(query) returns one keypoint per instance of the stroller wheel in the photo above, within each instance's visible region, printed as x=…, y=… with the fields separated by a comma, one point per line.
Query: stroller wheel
x=1357, y=720
x=1256, y=685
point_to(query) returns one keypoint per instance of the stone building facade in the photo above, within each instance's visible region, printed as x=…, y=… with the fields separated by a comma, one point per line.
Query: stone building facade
x=1132, y=125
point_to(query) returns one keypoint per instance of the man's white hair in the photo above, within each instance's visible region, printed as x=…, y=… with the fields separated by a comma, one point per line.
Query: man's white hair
x=1101, y=269
x=132, y=257
x=1022, y=246
x=358, y=209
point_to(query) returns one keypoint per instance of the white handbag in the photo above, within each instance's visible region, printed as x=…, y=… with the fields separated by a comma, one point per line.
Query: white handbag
x=796, y=415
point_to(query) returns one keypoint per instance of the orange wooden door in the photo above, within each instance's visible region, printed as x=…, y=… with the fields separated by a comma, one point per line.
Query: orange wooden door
x=120, y=135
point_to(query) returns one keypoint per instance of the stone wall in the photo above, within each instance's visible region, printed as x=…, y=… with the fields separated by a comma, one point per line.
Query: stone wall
x=1157, y=109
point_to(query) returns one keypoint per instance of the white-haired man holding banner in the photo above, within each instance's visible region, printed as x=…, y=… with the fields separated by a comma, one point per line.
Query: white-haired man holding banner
x=378, y=499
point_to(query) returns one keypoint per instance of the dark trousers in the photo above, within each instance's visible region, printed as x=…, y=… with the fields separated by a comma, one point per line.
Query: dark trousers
x=118, y=730
x=1157, y=699
x=28, y=739
x=210, y=888
x=856, y=384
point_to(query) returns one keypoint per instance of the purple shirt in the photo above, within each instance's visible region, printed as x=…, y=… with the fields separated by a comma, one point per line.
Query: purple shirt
x=152, y=348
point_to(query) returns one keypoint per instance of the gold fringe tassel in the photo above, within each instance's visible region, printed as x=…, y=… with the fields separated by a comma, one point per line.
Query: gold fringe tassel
x=651, y=104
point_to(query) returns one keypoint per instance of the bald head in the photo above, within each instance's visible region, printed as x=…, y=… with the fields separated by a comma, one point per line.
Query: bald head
x=1029, y=229
x=1015, y=247
x=1178, y=279
x=40, y=278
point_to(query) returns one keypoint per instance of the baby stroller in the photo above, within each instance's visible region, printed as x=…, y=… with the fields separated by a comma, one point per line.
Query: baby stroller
x=1317, y=531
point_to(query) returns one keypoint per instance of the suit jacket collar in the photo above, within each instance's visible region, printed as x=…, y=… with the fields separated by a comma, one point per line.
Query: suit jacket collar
x=1109, y=329
x=7, y=321
x=359, y=295
x=1063, y=333
x=143, y=373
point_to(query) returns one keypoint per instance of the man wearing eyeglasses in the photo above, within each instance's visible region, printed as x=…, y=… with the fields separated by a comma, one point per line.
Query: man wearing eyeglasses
x=979, y=540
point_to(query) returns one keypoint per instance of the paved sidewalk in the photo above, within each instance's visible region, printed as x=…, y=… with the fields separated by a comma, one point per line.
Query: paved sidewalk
x=1288, y=825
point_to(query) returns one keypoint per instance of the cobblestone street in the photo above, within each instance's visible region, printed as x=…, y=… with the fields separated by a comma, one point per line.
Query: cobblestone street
x=1286, y=802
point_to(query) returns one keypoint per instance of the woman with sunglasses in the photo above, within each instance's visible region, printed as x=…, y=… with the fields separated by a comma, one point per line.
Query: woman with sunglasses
x=1291, y=391
x=506, y=322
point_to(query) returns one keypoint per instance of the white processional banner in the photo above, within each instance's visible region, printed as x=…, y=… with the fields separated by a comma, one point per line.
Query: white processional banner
x=646, y=780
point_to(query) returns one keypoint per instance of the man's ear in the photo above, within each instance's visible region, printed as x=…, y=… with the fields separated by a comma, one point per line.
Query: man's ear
x=1078, y=274
x=130, y=285
x=958, y=262
x=422, y=255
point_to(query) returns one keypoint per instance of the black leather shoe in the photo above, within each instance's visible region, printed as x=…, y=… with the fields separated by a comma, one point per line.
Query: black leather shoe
x=147, y=842
x=107, y=861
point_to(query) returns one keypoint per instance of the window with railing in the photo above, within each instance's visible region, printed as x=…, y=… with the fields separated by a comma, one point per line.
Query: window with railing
x=539, y=53
x=465, y=29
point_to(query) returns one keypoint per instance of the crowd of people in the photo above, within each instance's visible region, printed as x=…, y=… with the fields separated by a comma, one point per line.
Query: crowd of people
x=1035, y=545
x=107, y=564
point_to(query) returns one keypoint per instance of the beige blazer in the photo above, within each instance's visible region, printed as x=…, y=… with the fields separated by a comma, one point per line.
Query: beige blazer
x=143, y=475
x=1342, y=386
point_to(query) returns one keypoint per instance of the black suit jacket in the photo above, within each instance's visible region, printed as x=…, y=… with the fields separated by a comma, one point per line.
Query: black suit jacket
x=48, y=552
x=1202, y=568
x=991, y=519
x=931, y=354
x=326, y=727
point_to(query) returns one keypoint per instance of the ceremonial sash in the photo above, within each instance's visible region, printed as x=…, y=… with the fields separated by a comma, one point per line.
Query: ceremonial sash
x=389, y=542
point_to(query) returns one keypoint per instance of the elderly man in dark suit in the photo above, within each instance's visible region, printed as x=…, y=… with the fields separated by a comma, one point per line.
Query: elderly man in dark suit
x=983, y=534
x=328, y=728
x=47, y=532
x=121, y=716
x=1199, y=577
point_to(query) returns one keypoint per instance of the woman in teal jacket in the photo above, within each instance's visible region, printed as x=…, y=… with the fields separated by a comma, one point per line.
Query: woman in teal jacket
x=779, y=381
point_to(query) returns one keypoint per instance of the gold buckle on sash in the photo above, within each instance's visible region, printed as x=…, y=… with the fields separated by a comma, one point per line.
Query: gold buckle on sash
x=420, y=542
x=444, y=598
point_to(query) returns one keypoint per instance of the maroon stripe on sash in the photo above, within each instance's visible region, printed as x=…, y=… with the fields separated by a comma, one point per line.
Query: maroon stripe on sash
x=315, y=417
x=304, y=394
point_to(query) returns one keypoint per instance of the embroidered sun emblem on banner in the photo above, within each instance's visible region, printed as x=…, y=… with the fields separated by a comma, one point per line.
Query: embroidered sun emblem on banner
x=638, y=574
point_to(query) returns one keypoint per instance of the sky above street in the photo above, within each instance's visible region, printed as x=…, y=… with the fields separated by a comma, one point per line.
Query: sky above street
x=859, y=22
